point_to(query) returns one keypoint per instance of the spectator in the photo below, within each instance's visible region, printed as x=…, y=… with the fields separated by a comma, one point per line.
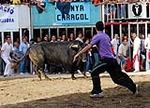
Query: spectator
x=122, y=53
x=16, y=49
x=40, y=5
x=97, y=2
x=39, y=39
x=46, y=38
x=63, y=38
x=142, y=52
x=46, y=65
x=25, y=62
x=71, y=37
x=26, y=32
x=133, y=1
x=121, y=9
x=115, y=44
x=80, y=37
x=89, y=62
x=95, y=56
x=59, y=39
x=64, y=7
x=6, y=49
x=112, y=8
x=147, y=47
x=16, y=2
x=106, y=9
x=5, y=2
x=53, y=38
x=136, y=51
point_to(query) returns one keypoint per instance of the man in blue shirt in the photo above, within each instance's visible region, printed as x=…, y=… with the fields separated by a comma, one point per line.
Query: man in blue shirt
x=107, y=63
x=23, y=48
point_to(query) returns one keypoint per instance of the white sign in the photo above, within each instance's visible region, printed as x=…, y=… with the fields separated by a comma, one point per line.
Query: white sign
x=24, y=16
x=8, y=17
x=137, y=10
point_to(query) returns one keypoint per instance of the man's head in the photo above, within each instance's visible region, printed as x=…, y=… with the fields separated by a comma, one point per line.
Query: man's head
x=116, y=36
x=16, y=44
x=125, y=41
x=8, y=39
x=99, y=26
x=24, y=39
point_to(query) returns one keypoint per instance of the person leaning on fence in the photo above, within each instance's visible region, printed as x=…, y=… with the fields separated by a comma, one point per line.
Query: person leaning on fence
x=107, y=63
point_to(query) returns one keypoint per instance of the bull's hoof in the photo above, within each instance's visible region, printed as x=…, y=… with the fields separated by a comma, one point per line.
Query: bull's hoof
x=48, y=79
x=73, y=77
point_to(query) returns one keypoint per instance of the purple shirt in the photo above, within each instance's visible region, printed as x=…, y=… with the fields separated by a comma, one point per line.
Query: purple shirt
x=102, y=41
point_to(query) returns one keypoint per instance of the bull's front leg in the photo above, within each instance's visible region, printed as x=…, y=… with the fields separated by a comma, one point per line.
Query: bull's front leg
x=37, y=71
x=39, y=75
x=42, y=72
x=46, y=77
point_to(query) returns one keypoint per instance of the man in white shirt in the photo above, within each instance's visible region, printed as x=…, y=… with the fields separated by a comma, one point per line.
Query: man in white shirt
x=6, y=49
x=136, y=51
x=123, y=53
x=115, y=43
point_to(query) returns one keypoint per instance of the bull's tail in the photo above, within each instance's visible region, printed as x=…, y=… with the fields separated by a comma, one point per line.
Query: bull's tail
x=28, y=50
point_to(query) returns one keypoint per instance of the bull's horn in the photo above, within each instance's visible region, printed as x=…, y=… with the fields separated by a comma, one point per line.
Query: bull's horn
x=83, y=60
x=74, y=46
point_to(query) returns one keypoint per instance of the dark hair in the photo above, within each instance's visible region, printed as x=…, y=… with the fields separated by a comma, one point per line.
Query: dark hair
x=124, y=40
x=100, y=26
x=7, y=37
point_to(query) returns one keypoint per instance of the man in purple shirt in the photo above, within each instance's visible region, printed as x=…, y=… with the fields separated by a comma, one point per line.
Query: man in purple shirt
x=107, y=63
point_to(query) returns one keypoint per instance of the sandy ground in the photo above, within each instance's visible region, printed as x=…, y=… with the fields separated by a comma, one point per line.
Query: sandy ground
x=62, y=92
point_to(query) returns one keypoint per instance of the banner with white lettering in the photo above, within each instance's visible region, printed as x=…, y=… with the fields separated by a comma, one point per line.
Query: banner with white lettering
x=8, y=17
x=72, y=12
x=137, y=10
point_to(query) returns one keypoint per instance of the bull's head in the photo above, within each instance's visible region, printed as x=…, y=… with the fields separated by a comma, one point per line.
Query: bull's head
x=77, y=46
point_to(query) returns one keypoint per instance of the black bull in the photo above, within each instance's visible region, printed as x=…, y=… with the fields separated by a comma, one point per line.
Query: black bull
x=61, y=53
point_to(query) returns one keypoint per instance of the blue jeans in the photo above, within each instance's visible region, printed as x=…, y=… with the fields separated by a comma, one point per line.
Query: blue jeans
x=88, y=63
x=96, y=59
x=23, y=65
x=123, y=61
x=64, y=8
x=121, y=11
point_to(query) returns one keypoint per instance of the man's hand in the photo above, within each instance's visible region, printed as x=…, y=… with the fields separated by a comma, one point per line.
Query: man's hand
x=75, y=57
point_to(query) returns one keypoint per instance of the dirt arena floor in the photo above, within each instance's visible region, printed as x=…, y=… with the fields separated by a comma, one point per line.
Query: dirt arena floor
x=63, y=92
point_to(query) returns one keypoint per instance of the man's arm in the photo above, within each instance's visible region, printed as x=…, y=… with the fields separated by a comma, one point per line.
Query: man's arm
x=86, y=48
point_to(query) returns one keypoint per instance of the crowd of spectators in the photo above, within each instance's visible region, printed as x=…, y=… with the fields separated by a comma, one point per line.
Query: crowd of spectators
x=113, y=9
x=126, y=50
x=132, y=52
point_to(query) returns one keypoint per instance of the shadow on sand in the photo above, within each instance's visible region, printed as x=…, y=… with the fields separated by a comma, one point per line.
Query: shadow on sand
x=117, y=97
